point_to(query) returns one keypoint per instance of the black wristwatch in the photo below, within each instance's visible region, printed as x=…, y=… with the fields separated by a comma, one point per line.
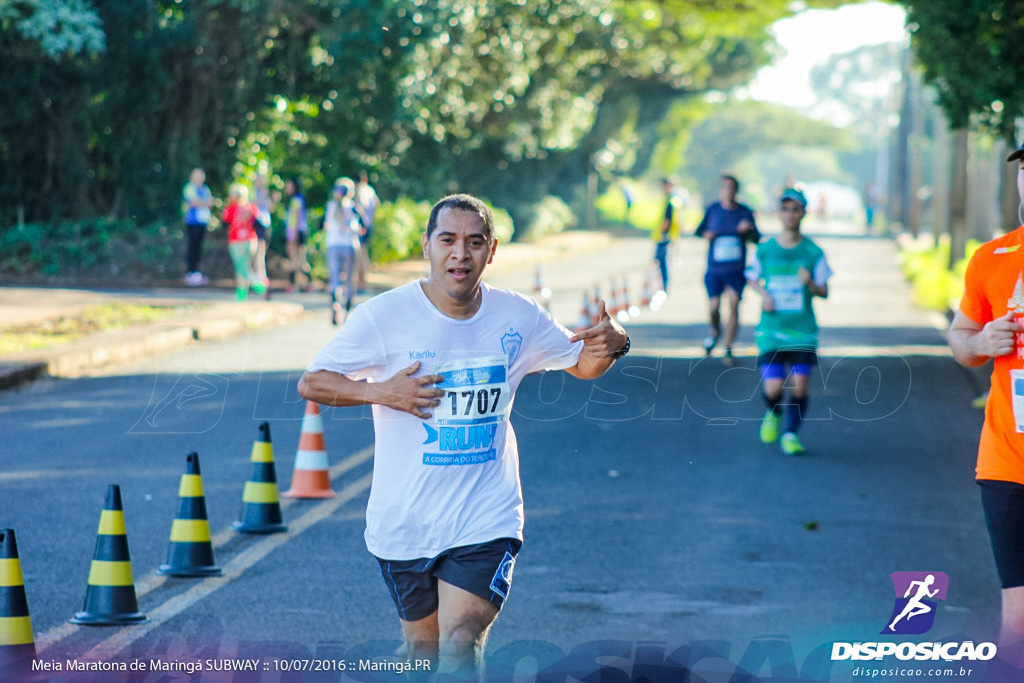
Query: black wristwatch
x=623, y=351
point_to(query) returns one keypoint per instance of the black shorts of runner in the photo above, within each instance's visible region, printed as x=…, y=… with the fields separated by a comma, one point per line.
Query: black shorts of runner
x=1003, y=502
x=485, y=570
x=261, y=231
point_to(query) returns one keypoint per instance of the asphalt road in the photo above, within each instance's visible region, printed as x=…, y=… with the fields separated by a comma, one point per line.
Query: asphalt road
x=656, y=521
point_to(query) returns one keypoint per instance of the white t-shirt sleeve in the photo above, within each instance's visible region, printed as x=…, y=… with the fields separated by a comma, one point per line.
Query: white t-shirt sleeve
x=822, y=272
x=753, y=269
x=356, y=351
x=549, y=346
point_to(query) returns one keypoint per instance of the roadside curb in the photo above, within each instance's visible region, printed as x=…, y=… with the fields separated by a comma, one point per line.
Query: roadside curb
x=214, y=323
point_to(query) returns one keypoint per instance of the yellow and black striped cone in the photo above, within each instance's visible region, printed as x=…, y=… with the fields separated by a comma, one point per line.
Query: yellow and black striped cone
x=17, y=643
x=261, y=505
x=191, y=551
x=110, y=597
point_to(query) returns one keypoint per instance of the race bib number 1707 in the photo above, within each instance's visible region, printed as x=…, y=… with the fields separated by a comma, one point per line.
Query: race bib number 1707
x=475, y=392
x=465, y=424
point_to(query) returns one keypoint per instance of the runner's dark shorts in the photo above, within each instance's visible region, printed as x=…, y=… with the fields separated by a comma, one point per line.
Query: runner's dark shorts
x=773, y=363
x=1003, y=502
x=485, y=570
x=717, y=279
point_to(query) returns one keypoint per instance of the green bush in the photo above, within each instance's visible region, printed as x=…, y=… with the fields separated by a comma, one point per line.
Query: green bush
x=612, y=205
x=550, y=217
x=934, y=285
x=647, y=209
x=399, y=225
x=97, y=246
x=504, y=226
x=103, y=248
x=397, y=228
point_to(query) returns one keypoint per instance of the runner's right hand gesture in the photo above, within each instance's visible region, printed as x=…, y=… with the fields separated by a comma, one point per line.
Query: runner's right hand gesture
x=414, y=395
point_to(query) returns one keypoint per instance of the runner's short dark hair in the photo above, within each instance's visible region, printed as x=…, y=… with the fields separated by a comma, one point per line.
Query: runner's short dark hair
x=462, y=202
x=735, y=183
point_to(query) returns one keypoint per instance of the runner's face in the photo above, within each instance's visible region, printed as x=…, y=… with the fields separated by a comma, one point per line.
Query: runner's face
x=1020, y=180
x=726, y=191
x=791, y=214
x=458, y=251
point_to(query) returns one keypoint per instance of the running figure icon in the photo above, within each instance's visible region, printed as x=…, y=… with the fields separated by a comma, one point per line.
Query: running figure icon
x=915, y=606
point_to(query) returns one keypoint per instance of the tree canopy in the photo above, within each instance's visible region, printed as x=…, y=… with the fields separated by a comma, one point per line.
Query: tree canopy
x=970, y=52
x=738, y=131
x=106, y=106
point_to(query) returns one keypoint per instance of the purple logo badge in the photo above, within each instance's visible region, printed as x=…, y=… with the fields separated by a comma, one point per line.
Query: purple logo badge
x=916, y=593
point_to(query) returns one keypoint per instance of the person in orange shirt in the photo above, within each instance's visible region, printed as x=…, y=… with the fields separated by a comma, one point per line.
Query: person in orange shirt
x=990, y=324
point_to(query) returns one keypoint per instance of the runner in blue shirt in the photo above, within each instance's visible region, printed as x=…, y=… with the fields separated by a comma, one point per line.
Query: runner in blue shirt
x=727, y=226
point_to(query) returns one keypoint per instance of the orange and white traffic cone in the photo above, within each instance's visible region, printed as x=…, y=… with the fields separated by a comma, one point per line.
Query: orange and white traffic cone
x=541, y=292
x=646, y=293
x=17, y=643
x=595, y=302
x=630, y=309
x=615, y=300
x=584, y=322
x=311, y=477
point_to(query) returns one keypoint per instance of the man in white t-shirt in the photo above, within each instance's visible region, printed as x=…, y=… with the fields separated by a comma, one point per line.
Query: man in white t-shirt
x=440, y=360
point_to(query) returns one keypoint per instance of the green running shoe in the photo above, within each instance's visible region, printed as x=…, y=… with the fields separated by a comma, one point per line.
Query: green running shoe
x=791, y=444
x=770, y=427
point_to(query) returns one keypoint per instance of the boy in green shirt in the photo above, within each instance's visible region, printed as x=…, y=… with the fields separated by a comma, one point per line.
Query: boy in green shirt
x=788, y=270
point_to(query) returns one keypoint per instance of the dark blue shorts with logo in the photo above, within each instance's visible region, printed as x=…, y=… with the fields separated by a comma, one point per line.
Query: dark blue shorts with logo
x=484, y=569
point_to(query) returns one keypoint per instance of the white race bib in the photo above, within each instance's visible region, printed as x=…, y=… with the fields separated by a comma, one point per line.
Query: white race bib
x=476, y=402
x=1017, y=389
x=787, y=293
x=726, y=249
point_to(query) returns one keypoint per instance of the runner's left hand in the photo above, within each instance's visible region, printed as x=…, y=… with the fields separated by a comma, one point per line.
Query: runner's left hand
x=604, y=339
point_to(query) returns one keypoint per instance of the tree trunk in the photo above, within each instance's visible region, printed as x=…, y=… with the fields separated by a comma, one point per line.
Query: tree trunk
x=1009, y=201
x=916, y=170
x=958, y=197
x=899, y=200
x=942, y=166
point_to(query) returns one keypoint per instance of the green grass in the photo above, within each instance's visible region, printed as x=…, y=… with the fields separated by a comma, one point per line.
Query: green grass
x=925, y=263
x=65, y=329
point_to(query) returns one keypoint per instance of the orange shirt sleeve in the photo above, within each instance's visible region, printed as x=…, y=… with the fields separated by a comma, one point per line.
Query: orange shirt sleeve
x=975, y=303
